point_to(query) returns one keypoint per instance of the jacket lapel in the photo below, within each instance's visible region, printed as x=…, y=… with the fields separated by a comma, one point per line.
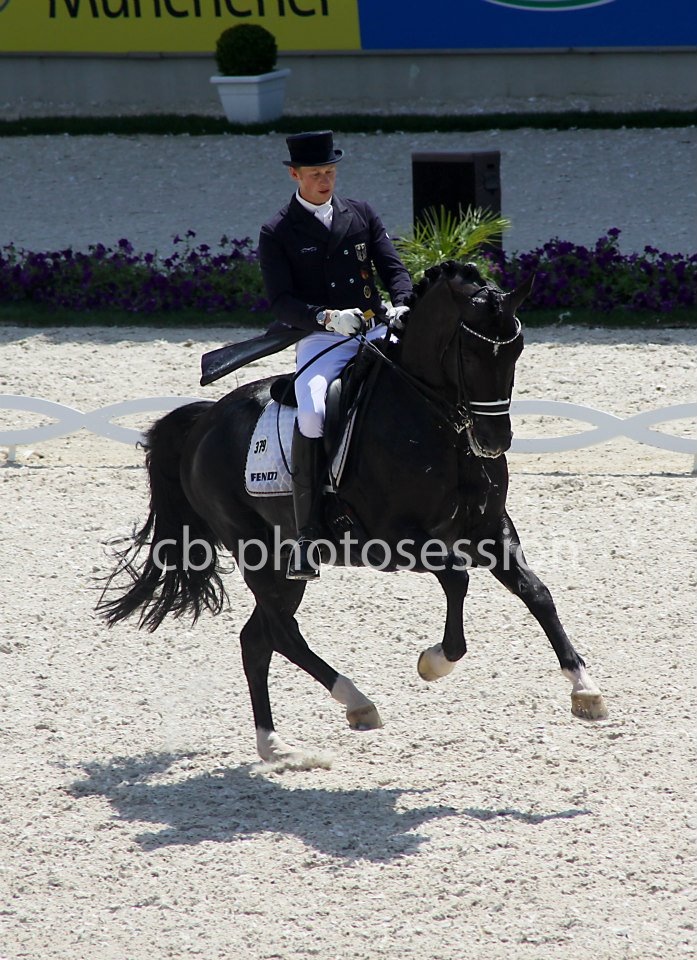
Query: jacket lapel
x=306, y=222
x=341, y=221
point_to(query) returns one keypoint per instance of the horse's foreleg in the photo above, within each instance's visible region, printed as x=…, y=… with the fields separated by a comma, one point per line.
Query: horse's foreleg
x=438, y=661
x=512, y=571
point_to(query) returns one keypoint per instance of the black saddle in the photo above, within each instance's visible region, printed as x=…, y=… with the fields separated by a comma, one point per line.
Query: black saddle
x=283, y=390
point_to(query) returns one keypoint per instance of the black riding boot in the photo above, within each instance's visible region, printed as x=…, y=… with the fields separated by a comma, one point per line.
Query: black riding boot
x=307, y=459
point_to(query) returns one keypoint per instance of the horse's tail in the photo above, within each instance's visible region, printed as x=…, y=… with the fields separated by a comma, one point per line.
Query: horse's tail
x=180, y=571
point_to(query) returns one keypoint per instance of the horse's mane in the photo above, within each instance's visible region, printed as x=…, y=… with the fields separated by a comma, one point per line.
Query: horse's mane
x=448, y=270
x=465, y=280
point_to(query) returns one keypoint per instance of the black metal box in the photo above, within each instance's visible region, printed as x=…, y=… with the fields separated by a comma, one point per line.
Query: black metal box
x=456, y=180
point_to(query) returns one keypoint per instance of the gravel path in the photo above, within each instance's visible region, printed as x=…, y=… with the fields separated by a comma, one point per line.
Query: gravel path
x=65, y=191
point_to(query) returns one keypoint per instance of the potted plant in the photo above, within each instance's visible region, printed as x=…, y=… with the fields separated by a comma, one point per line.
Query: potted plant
x=440, y=235
x=251, y=89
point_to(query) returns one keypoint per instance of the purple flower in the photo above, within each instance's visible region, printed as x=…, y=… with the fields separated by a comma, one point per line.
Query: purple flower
x=598, y=278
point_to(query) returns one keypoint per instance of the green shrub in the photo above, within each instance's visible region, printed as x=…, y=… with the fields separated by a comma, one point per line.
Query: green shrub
x=246, y=50
x=441, y=235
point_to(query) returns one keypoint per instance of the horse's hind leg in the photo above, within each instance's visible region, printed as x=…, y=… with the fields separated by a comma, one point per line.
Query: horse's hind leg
x=513, y=572
x=438, y=661
x=256, y=658
x=273, y=627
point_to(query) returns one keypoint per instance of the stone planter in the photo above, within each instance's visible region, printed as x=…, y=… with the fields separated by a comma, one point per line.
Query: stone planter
x=252, y=99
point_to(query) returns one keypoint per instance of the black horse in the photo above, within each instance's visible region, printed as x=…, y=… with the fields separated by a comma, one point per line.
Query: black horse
x=423, y=487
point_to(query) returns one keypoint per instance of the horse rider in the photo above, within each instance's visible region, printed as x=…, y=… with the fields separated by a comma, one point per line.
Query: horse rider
x=319, y=255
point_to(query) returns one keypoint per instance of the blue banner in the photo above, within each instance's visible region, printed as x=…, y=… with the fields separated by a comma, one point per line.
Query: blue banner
x=526, y=24
x=185, y=26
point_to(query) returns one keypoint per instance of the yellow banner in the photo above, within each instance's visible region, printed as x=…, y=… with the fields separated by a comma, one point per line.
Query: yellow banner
x=171, y=26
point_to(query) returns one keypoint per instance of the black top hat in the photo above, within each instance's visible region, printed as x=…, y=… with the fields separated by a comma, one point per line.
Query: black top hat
x=312, y=149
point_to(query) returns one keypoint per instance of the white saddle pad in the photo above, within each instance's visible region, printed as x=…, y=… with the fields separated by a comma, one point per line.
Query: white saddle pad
x=267, y=472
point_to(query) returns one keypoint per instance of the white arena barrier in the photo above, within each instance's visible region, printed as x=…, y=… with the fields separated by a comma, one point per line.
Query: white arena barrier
x=604, y=426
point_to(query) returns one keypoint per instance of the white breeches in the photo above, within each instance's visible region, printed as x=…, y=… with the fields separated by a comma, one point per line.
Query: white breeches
x=311, y=385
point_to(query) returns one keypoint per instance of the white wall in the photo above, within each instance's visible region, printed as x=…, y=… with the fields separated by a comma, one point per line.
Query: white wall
x=142, y=83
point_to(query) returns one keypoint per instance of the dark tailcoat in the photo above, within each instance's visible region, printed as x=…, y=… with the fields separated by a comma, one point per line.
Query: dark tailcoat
x=307, y=268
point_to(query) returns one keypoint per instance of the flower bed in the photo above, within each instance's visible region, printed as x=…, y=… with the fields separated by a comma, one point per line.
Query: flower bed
x=601, y=278
x=105, y=278
x=598, y=279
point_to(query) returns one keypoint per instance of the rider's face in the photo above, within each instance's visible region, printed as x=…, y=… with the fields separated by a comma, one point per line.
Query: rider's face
x=316, y=184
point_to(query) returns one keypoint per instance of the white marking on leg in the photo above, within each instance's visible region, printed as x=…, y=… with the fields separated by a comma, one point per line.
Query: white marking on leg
x=280, y=756
x=582, y=683
x=433, y=664
x=270, y=747
x=361, y=712
x=347, y=693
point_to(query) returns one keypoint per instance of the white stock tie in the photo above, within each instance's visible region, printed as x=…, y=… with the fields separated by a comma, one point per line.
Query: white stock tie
x=325, y=214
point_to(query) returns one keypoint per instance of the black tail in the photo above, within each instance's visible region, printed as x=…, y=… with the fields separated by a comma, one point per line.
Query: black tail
x=180, y=572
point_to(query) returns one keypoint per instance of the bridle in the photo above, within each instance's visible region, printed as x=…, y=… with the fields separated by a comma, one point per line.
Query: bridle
x=458, y=416
x=484, y=408
x=496, y=343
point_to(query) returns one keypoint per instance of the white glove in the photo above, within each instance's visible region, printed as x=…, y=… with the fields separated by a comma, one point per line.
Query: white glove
x=396, y=317
x=345, y=322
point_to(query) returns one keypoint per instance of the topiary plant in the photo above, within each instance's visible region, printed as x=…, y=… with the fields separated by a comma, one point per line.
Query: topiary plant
x=246, y=50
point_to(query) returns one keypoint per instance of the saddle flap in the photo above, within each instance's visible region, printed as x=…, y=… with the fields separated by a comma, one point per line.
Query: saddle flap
x=267, y=470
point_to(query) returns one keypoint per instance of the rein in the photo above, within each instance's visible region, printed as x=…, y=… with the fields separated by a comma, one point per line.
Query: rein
x=456, y=416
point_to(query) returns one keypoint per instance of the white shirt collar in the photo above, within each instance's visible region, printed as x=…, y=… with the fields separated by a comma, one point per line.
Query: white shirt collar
x=323, y=211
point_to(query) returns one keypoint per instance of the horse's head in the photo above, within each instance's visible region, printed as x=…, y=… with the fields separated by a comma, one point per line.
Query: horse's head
x=463, y=338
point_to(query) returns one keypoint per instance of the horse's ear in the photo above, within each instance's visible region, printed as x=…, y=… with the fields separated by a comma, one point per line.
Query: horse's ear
x=516, y=297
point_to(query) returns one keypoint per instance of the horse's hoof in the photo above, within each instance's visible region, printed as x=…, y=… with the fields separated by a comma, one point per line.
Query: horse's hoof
x=588, y=706
x=364, y=718
x=279, y=756
x=432, y=664
x=271, y=748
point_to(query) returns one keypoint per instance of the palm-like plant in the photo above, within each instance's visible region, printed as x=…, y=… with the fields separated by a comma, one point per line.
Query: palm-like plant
x=439, y=235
